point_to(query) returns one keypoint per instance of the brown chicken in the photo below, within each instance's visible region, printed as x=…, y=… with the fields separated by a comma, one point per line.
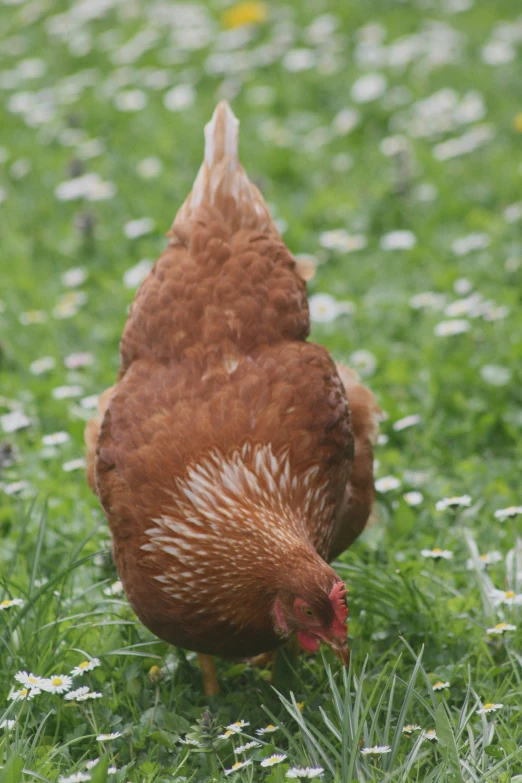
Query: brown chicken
x=232, y=458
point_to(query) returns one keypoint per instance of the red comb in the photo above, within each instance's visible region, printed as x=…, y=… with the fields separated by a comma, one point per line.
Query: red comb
x=337, y=596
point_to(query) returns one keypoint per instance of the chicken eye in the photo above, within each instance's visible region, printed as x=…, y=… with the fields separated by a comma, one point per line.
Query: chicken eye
x=307, y=611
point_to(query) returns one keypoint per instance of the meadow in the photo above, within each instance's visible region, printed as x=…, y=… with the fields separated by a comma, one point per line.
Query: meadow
x=387, y=138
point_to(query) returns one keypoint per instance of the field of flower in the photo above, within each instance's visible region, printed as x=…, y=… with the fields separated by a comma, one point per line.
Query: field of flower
x=387, y=138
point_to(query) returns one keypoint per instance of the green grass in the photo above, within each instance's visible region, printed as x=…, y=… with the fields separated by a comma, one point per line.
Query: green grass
x=413, y=621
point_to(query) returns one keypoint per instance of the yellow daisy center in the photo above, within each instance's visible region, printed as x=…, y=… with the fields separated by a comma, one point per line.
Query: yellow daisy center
x=237, y=764
x=437, y=551
x=24, y=692
x=439, y=685
x=83, y=665
x=32, y=679
x=7, y=602
x=489, y=705
x=500, y=626
x=56, y=681
x=517, y=122
x=270, y=726
x=245, y=13
x=509, y=594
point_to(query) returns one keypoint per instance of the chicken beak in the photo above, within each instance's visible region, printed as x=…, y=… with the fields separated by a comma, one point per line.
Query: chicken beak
x=340, y=650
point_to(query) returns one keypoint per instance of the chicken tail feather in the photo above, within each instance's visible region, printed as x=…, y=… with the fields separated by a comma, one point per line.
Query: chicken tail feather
x=222, y=183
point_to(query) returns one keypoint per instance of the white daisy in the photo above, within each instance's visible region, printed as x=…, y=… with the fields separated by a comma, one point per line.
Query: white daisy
x=304, y=772
x=437, y=554
x=387, y=483
x=276, y=758
x=130, y=100
x=428, y=300
x=88, y=186
x=376, y=750
x=80, y=359
x=74, y=464
x=462, y=286
x=297, y=60
x=495, y=375
x=454, y=502
x=149, y=168
x=452, y=327
x=267, y=730
x=7, y=603
x=345, y=121
x=90, y=402
x=324, y=308
x=430, y=735
x=107, y=737
x=489, y=707
x=91, y=763
x=340, y=240
x=12, y=422
x=90, y=695
x=76, y=777
x=513, y=212
x=14, y=488
x=440, y=686
x=85, y=666
x=116, y=588
x=179, y=97
x=368, y=88
x=501, y=628
x=410, y=728
x=484, y=560
x=495, y=313
x=505, y=598
x=413, y=498
x=134, y=276
x=139, y=227
x=237, y=766
x=238, y=726
x=39, y=366
x=77, y=694
x=508, y=513
x=57, y=683
x=56, y=439
x=29, y=680
x=363, y=361
x=75, y=276
x=467, y=244
x=66, y=392
x=248, y=746
x=25, y=693
x=398, y=240
x=31, y=317
x=407, y=421
x=7, y=724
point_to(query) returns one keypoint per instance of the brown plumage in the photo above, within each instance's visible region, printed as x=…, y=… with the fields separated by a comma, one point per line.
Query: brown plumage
x=232, y=458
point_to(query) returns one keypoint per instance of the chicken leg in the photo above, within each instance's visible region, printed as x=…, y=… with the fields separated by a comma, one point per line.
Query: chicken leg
x=208, y=671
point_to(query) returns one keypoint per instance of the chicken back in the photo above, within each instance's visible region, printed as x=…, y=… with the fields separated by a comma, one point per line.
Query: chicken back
x=232, y=458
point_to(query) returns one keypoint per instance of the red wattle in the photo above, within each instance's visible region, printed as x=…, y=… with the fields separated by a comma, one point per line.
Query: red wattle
x=308, y=642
